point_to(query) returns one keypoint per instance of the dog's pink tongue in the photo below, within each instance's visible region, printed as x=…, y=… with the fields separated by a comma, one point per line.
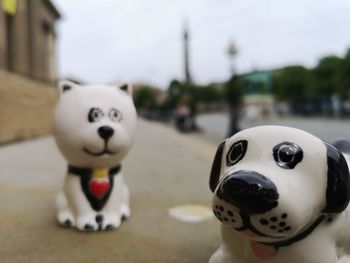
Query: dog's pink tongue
x=260, y=250
x=263, y=251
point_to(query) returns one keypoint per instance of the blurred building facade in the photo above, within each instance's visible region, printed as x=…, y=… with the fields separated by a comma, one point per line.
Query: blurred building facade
x=258, y=99
x=28, y=38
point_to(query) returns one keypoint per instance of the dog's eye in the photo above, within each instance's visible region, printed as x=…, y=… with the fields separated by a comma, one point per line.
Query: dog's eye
x=236, y=152
x=115, y=115
x=287, y=155
x=95, y=114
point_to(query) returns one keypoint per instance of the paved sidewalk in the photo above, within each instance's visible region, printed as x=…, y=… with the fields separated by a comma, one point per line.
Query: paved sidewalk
x=164, y=169
x=215, y=125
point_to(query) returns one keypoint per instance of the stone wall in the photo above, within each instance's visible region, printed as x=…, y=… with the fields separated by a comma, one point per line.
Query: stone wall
x=3, y=55
x=26, y=107
x=28, y=40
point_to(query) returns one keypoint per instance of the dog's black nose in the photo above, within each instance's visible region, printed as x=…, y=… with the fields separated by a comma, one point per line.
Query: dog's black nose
x=249, y=191
x=105, y=132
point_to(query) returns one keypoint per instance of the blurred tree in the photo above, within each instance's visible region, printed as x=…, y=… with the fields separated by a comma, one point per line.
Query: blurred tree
x=176, y=94
x=344, y=75
x=233, y=94
x=145, y=99
x=208, y=94
x=326, y=76
x=292, y=84
x=179, y=96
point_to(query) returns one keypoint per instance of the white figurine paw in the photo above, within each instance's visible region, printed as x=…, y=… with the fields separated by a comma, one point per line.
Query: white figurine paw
x=110, y=221
x=87, y=223
x=66, y=219
x=125, y=212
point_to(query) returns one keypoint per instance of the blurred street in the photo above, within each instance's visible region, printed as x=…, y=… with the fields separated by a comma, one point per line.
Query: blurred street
x=164, y=169
x=215, y=126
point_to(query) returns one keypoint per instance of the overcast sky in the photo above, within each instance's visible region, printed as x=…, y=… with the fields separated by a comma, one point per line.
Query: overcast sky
x=140, y=40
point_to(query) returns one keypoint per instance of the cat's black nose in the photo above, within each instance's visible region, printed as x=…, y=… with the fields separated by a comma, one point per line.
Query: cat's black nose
x=105, y=132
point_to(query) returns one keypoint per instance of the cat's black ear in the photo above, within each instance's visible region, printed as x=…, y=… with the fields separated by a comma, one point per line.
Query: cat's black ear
x=126, y=87
x=65, y=86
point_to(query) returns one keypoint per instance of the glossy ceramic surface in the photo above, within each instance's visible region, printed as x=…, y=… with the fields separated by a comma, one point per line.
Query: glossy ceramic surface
x=94, y=128
x=281, y=195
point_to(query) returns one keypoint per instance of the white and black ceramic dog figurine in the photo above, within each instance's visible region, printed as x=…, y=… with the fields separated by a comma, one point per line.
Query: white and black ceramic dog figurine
x=94, y=128
x=282, y=196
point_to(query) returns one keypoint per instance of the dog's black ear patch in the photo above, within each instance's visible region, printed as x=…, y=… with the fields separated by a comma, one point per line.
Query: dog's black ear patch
x=343, y=145
x=216, y=167
x=338, y=181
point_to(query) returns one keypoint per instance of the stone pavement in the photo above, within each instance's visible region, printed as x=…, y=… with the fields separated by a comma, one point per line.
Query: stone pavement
x=164, y=169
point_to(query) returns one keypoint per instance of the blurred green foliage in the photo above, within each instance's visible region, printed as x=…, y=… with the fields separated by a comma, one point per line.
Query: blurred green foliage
x=208, y=94
x=292, y=84
x=295, y=85
x=233, y=89
x=145, y=98
x=331, y=76
x=325, y=76
x=178, y=93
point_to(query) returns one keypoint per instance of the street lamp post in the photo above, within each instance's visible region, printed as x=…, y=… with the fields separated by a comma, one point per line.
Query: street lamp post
x=232, y=53
x=233, y=92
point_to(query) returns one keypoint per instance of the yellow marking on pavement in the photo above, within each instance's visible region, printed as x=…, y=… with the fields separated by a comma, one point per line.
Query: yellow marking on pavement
x=191, y=213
